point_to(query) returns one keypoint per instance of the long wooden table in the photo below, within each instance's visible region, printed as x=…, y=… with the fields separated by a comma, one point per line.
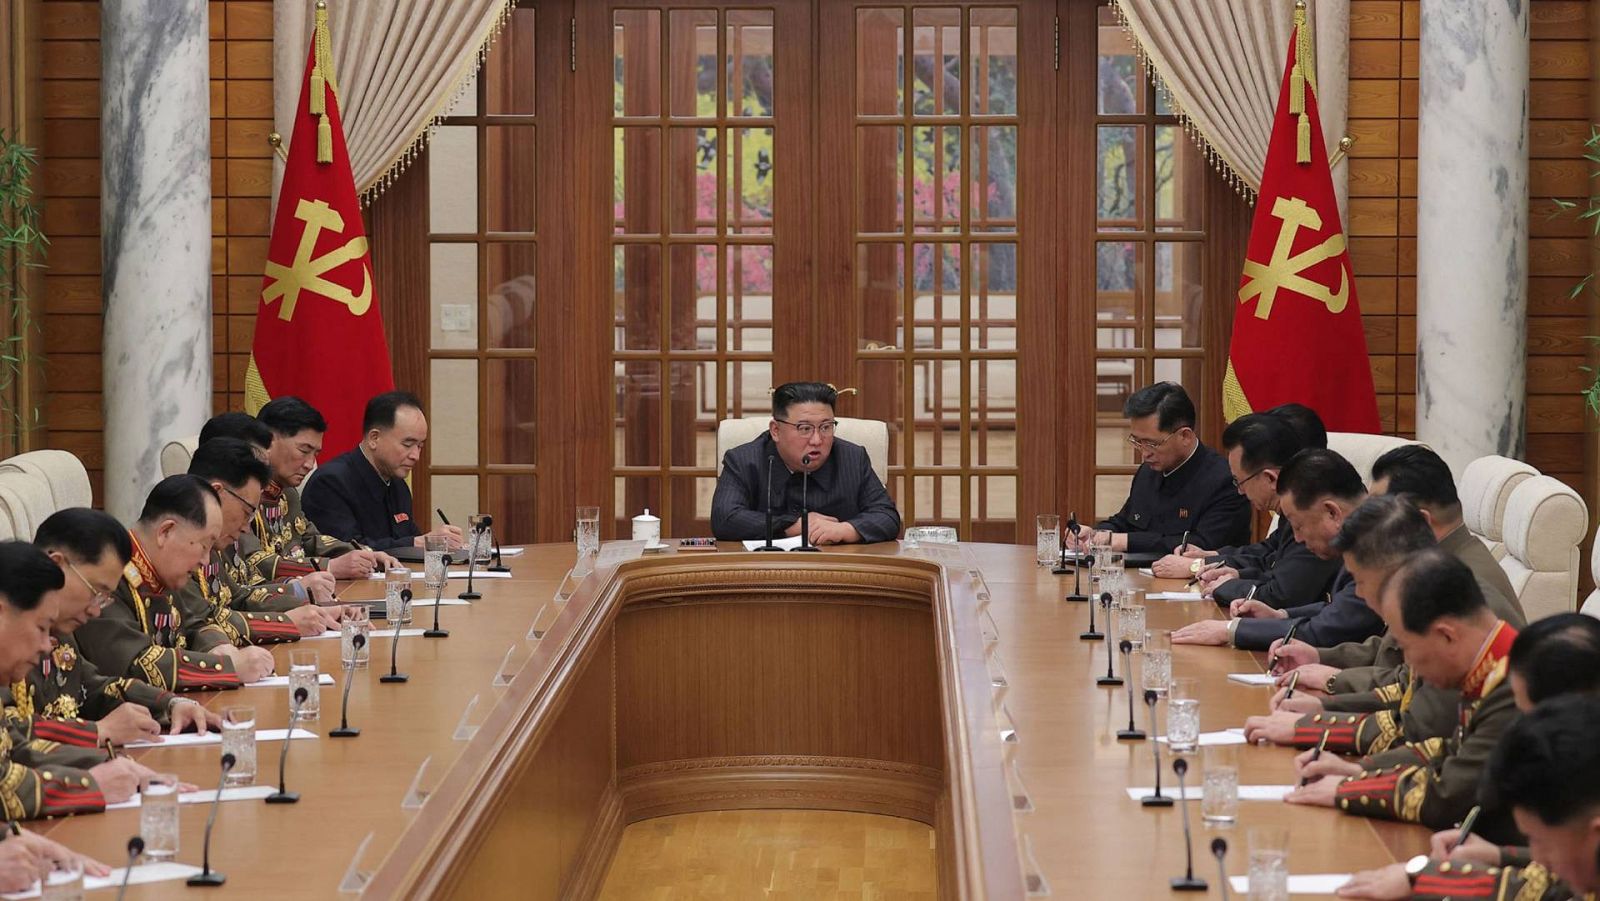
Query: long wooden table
x=853, y=680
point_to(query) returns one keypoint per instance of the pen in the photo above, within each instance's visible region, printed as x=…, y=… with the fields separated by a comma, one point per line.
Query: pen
x=1272, y=665
x=1315, y=754
x=441, y=516
x=1203, y=570
x=111, y=750
x=1294, y=679
x=1185, y=542
x=1467, y=824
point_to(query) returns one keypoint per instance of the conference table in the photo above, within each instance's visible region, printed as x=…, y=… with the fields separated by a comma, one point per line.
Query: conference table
x=944, y=683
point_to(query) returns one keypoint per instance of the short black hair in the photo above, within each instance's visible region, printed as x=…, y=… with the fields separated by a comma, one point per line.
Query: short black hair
x=289, y=416
x=84, y=535
x=229, y=461
x=1417, y=473
x=791, y=393
x=1306, y=423
x=1263, y=441
x=1171, y=404
x=1318, y=473
x=27, y=574
x=1558, y=655
x=382, y=409
x=1432, y=585
x=234, y=424
x=1547, y=762
x=1383, y=532
x=182, y=496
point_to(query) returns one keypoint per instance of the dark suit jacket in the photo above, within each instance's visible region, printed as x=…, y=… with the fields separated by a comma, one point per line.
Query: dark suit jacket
x=1199, y=498
x=844, y=487
x=347, y=500
x=1341, y=617
x=1283, y=571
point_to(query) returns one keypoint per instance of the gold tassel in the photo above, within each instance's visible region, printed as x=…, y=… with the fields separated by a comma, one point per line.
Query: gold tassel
x=318, y=102
x=324, y=141
x=1301, y=77
x=1302, y=146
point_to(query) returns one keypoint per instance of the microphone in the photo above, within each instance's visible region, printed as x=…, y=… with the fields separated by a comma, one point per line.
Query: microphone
x=357, y=641
x=1071, y=529
x=1094, y=634
x=1157, y=799
x=1111, y=677
x=438, y=601
x=1077, y=568
x=472, y=562
x=1133, y=732
x=496, y=566
x=282, y=795
x=135, y=848
x=769, y=546
x=805, y=508
x=1219, y=850
x=207, y=876
x=1187, y=882
x=394, y=674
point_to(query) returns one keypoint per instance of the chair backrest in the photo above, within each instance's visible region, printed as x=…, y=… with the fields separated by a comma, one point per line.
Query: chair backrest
x=175, y=456
x=1363, y=450
x=1591, y=604
x=62, y=473
x=26, y=500
x=1545, y=522
x=872, y=434
x=1485, y=489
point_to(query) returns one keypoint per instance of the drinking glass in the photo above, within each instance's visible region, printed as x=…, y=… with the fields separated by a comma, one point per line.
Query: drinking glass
x=303, y=673
x=239, y=739
x=1269, y=863
x=435, y=552
x=1099, y=549
x=477, y=546
x=1156, y=671
x=1130, y=621
x=356, y=621
x=1047, y=547
x=64, y=882
x=1183, y=716
x=1219, y=793
x=158, y=815
x=395, y=606
x=588, y=531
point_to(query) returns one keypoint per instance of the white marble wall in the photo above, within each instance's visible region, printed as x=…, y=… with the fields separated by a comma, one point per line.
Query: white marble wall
x=155, y=245
x=1331, y=25
x=1472, y=228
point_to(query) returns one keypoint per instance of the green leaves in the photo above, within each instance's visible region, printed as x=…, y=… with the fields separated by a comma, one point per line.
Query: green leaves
x=22, y=247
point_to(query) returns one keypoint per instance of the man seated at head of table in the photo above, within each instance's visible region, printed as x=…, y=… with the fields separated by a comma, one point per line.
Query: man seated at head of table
x=847, y=501
x=361, y=496
x=1183, y=493
x=1317, y=490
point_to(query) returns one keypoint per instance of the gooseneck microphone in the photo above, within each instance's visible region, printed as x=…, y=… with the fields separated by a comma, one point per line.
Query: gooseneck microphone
x=1077, y=594
x=1094, y=634
x=1133, y=732
x=208, y=876
x=472, y=562
x=1157, y=799
x=357, y=642
x=1187, y=882
x=135, y=848
x=438, y=601
x=394, y=674
x=496, y=566
x=769, y=546
x=283, y=795
x=1219, y=850
x=805, y=506
x=1111, y=677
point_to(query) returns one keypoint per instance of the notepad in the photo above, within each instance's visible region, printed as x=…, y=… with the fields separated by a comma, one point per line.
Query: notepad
x=190, y=739
x=1193, y=792
x=454, y=574
x=787, y=544
x=1319, y=884
x=206, y=796
x=1175, y=596
x=145, y=873
x=1230, y=737
x=283, y=681
x=377, y=632
x=443, y=602
x=1253, y=678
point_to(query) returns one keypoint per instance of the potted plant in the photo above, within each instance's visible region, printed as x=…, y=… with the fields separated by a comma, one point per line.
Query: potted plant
x=22, y=248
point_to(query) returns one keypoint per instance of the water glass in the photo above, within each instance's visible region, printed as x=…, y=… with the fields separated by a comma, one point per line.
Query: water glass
x=1269, y=863
x=239, y=739
x=1047, y=547
x=1219, y=793
x=64, y=882
x=1183, y=716
x=1156, y=671
x=435, y=557
x=395, y=606
x=588, y=531
x=158, y=815
x=356, y=621
x=477, y=547
x=303, y=673
x=1130, y=622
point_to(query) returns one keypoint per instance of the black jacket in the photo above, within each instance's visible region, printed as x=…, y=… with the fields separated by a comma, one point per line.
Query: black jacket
x=844, y=487
x=347, y=499
x=1199, y=499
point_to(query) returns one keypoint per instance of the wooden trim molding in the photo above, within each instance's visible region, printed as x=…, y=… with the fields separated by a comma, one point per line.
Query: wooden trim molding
x=795, y=782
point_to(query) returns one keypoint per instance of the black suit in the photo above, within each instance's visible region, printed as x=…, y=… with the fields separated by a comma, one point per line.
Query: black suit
x=1340, y=618
x=1199, y=498
x=1283, y=571
x=347, y=500
x=844, y=487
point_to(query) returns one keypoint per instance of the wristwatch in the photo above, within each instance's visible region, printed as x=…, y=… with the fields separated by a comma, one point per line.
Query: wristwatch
x=176, y=700
x=1416, y=865
x=1196, y=566
x=1327, y=687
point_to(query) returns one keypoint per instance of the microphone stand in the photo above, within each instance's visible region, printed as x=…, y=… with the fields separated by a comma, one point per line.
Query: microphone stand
x=1219, y=850
x=1157, y=799
x=1071, y=529
x=394, y=674
x=207, y=876
x=438, y=601
x=1133, y=732
x=135, y=848
x=1093, y=634
x=769, y=546
x=472, y=564
x=805, y=507
x=496, y=566
x=283, y=795
x=1111, y=677
x=358, y=641
x=1187, y=882
x=1077, y=594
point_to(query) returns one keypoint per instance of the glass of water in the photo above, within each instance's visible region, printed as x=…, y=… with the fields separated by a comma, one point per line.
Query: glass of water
x=239, y=739
x=303, y=673
x=356, y=621
x=1130, y=621
x=395, y=606
x=1156, y=671
x=588, y=531
x=64, y=882
x=1183, y=716
x=1219, y=793
x=476, y=545
x=1269, y=863
x=435, y=551
x=158, y=815
x=1047, y=548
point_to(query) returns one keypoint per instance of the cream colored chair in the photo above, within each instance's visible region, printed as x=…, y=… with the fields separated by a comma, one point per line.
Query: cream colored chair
x=1485, y=489
x=1363, y=450
x=1591, y=604
x=62, y=473
x=872, y=434
x=176, y=455
x=27, y=501
x=1545, y=523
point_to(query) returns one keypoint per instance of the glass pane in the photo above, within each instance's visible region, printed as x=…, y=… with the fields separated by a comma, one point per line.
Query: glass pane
x=509, y=159
x=694, y=413
x=1179, y=295
x=1180, y=181
x=993, y=411
x=691, y=507
x=513, y=499
x=634, y=495
x=936, y=392
x=938, y=500
x=993, y=37
x=1121, y=78
x=636, y=170
x=638, y=413
x=749, y=388
x=994, y=499
x=508, y=433
x=880, y=179
x=453, y=296
x=936, y=184
x=750, y=62
x=636, y=65
x=881, y=397
x=636, y=286
x=508, y=70
x=1118, y=278
x=750, y=297
x=750, y=181
x=1188, y=371
x=694, y=62
x=994, y=178
x=513, y=288
x=936, y=301
x=692, y=174
x=694, y=296
x=880, y=62
x=936, y=61
x=1117, y=176
x=1109, y=493
x=453, y=412
x=1115, y=379
x=880, y=295
x=457, y=496
x=992, y=297
x=453, y=180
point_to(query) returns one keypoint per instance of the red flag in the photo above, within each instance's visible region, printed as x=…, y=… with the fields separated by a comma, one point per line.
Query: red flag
x=1297, y=334
x=319, y=333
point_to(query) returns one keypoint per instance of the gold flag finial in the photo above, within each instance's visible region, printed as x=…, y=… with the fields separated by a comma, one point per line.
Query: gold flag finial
x=276, y=141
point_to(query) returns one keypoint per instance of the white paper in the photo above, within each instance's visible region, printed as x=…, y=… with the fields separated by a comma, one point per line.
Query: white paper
x=150, y=872
x=417, y=574
x=1174, y=596
x=1229, y=737
x=189, y=739
x=787, y=544
x=1147, y=571
x=1318, y=884
x=513, y=551
x=444, y=602
x=1193, y=792
x=205, y=796
x=1253, y=678
x=378, y=631
x=283, y=681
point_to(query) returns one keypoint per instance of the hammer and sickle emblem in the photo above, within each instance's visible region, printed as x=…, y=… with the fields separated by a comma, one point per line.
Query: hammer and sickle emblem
x=305, y=273
x=1284, y=269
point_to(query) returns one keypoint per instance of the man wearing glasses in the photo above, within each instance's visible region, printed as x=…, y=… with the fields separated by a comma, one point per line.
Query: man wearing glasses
x=1182, y=488
x=847, y=501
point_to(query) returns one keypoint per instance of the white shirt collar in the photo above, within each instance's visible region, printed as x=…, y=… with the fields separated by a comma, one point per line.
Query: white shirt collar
x=1192, y=452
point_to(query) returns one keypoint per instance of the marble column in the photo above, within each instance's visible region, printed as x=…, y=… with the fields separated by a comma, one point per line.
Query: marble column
x=1472, y=228
x=155, y=245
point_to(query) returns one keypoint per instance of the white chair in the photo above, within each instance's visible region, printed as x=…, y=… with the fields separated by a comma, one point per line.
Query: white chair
x=872, y=434
x=1363, y=450
x=1485, y=489
x=1545, y=522
x=1591, y=604
x=26, y=500
x=62, y=473
x=175, y=456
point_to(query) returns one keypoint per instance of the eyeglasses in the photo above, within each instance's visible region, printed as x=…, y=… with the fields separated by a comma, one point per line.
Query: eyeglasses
x=1238, y=484
x=1149, y=446
x=806, y=429
x=249, y=507
x=102, y=596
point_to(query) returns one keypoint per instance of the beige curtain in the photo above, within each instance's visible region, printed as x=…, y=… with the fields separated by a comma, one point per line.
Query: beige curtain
x=1221, y=62
x=398, y=64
